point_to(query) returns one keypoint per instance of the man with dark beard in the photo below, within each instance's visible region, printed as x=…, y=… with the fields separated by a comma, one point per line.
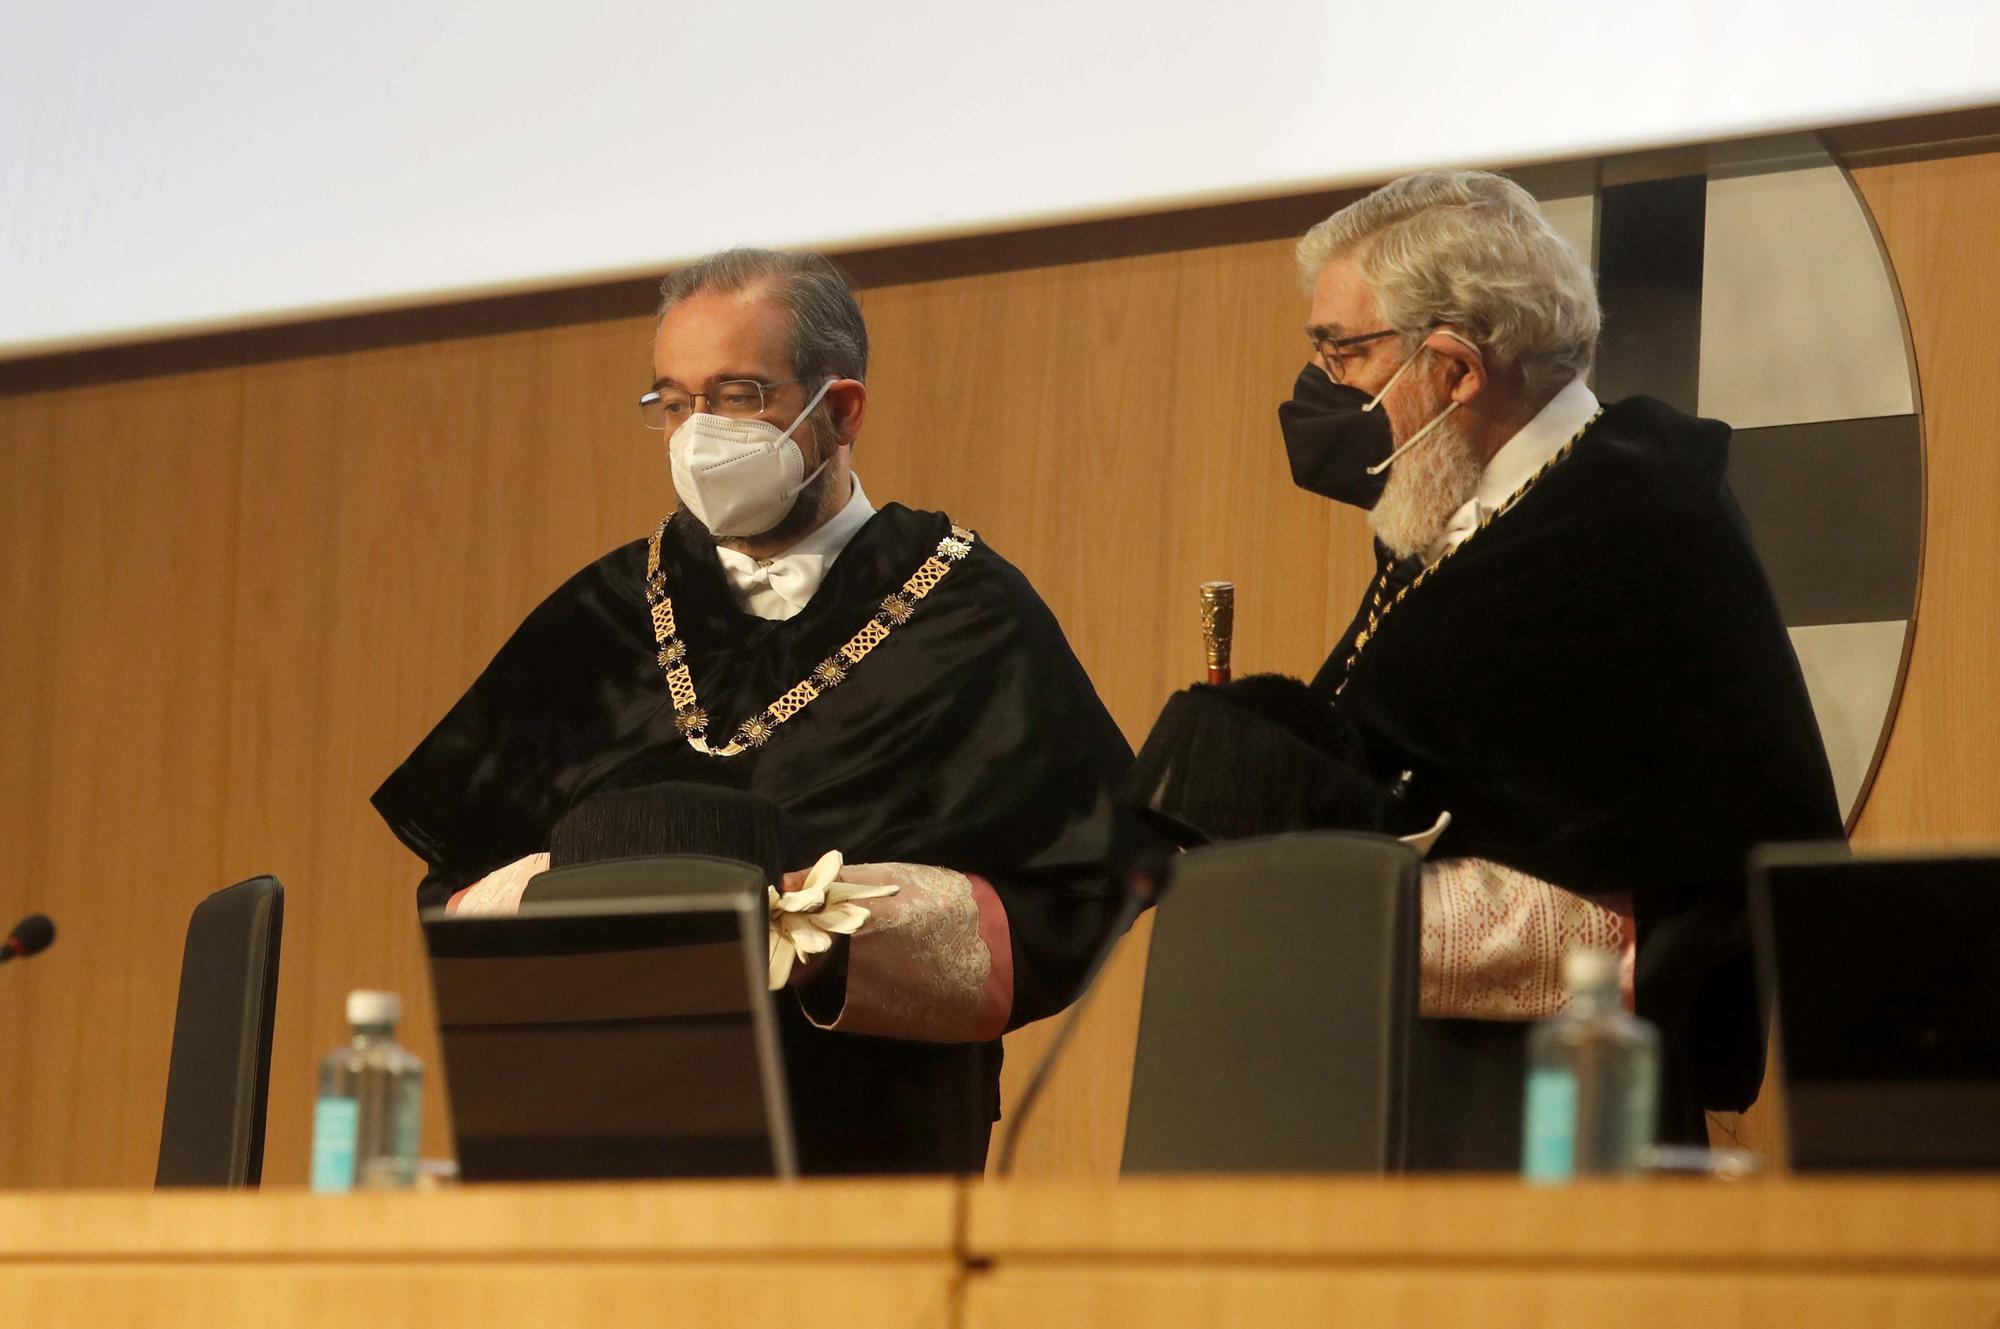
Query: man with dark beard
x=1568, y=641
x=896, y=687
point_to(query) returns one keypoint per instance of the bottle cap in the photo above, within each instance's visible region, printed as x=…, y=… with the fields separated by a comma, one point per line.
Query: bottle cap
x=373, y=1008
x=1590, y=971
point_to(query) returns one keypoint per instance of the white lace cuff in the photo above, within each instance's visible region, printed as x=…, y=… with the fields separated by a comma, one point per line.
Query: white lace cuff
x=1494, y=939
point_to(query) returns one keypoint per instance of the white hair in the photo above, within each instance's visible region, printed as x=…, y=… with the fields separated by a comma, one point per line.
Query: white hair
x=1471, y=249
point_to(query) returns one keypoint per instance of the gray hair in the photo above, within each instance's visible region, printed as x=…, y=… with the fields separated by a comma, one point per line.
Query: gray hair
x=829, y=339
x=1471, y=249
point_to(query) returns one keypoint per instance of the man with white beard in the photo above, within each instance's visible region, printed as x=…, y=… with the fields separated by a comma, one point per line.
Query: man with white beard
x=1569, y=641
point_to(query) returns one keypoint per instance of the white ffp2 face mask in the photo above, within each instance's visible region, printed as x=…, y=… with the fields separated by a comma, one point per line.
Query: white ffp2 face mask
x=739, y=477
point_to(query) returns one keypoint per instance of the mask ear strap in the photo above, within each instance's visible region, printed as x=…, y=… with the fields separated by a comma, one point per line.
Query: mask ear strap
x=1436, y=420
x=806, y=412
x=800, y=488
x=1392, y=381
x=825, y=461
x=1415, y=439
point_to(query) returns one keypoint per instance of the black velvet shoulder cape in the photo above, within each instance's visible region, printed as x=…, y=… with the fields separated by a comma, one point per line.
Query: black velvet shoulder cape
x=970, y=738
x=1599, y=687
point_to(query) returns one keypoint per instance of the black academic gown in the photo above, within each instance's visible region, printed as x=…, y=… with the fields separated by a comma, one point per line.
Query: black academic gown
x=971, y=738
x=1599, y=688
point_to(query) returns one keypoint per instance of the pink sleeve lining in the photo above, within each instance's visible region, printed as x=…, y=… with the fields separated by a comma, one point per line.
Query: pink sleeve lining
x=996, y=1000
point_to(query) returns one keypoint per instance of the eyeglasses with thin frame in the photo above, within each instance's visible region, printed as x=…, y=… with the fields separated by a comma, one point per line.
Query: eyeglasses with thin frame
x=1332, y=352
x=737, y=398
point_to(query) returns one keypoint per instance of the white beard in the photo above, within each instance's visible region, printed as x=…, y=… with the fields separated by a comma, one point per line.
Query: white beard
x=1425, y=488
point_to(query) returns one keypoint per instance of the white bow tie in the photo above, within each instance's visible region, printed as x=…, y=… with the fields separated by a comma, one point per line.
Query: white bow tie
x=775, y=588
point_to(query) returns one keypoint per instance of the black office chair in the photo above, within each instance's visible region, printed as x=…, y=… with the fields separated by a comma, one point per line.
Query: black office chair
x=1281, y=995
x=212, y=1132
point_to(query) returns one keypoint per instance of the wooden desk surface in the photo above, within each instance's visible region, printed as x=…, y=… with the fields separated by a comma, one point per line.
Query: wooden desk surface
x=1210, y=1252
x=1944, y=1223
x=1452, y=1254
x=714, y=1254
x=833, y=1219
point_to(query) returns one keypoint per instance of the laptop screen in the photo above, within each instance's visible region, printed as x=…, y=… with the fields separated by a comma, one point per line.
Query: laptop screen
x=1886, y=978
x=610, y=1039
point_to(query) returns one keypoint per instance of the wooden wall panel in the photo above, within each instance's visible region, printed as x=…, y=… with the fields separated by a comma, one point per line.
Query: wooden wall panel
x=118, y=513
x=1940, y=776
x=232, y=595
x=406, y=507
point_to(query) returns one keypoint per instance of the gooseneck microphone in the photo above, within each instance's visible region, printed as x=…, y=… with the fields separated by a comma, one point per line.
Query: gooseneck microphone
x=31, y=936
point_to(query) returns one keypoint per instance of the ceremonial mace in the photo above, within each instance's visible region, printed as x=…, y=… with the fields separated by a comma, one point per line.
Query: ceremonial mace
x=1218, y=625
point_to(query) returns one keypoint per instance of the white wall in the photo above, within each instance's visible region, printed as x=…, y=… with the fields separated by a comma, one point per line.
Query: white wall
x=172, y=167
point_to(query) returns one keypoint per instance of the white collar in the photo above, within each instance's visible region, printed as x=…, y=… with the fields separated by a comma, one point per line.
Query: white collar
x=1540, y=439
x=1518, y=459
x=778, y=588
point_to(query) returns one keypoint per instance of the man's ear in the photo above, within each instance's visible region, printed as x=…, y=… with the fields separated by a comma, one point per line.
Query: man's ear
x=1465, y=367
x=846, y=403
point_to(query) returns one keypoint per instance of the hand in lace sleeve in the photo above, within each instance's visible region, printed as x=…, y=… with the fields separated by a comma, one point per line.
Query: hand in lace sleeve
x=1494, y=939
x=934, y=962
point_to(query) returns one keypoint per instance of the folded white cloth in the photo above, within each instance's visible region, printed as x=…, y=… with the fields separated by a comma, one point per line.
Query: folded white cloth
x=1423, y=840
x=804, y=921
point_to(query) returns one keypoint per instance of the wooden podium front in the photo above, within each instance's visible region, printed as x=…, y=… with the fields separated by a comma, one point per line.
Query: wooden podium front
x=907, y=1255
x=811, y=1255
x=1453, y=1254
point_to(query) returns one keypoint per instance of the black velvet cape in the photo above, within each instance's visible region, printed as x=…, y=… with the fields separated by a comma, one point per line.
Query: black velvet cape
x=971, y=738
x=1599, y=688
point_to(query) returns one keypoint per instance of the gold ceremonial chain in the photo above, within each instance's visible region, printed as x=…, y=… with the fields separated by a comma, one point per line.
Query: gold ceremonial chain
x=896, y=609
x=1379, y=607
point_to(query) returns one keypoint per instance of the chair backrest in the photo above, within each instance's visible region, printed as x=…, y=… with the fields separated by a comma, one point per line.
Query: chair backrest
x=1281, y=991
x=212, y=1132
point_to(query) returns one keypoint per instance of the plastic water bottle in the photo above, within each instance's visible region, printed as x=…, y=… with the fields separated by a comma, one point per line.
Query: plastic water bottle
x=369, y=1114
x=1593, y=1080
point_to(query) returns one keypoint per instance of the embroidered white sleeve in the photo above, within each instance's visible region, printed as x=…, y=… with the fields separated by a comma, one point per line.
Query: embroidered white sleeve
x=1494, y=939
x=918, y=969
x=499, y=891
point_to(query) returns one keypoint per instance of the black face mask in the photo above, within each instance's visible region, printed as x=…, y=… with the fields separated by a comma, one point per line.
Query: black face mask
x=1332, y=441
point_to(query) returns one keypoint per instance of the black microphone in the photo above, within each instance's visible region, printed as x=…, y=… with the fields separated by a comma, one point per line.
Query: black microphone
x=31, y=936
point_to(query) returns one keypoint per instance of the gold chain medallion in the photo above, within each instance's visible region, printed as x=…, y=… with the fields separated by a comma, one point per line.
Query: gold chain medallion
x=896, y=609
x=1380, y=602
